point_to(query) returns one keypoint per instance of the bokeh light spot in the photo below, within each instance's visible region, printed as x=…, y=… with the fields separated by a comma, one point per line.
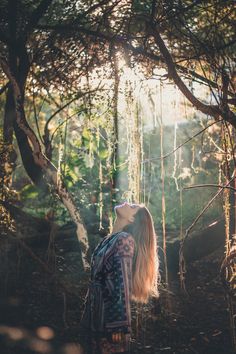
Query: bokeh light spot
x=45, y=333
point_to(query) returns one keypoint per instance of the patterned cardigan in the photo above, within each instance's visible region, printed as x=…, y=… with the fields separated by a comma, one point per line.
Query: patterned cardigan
x=107, y=302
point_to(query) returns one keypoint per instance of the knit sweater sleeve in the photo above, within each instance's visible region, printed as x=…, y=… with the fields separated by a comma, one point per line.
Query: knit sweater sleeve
x=117, y=307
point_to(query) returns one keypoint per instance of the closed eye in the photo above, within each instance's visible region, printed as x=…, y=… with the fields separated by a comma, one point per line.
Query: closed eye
x=133, y=205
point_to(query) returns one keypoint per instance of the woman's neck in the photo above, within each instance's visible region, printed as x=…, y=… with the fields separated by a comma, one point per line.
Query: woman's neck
x=118, y=225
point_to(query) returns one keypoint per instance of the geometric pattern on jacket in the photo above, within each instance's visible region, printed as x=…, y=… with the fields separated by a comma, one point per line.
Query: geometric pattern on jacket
x=107, y=302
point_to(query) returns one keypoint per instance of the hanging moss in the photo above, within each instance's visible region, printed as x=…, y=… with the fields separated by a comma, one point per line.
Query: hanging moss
x=134, y=146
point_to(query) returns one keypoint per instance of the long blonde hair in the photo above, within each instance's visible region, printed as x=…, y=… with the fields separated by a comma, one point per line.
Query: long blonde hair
x=145, y=275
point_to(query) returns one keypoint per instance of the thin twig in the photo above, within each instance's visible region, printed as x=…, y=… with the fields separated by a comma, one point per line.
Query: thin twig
x=182, y=266
x=77, y=97
x=207, y=206
x=38, y=260
x=179, y=146
x=64, y=121
x=36, y=119
x=210, y=185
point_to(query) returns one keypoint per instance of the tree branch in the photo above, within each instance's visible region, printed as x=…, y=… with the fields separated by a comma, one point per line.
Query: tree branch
x=37, y=259
x=116, y=39
x=78, y=96
x=208, y=205
x=172, y=72
x=37, y=14
x=182, y=144
x=182, y=267
x=210, y=185
x=212, y=110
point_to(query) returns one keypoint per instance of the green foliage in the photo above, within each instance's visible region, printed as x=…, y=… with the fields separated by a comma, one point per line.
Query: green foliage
x=87, y=147
x=193, y=170
x=29, y=191
x=65, y=42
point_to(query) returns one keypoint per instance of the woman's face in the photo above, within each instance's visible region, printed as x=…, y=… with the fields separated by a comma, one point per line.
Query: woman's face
x=126, y=211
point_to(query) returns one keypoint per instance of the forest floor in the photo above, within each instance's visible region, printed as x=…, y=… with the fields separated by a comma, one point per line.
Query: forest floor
x=39, y=312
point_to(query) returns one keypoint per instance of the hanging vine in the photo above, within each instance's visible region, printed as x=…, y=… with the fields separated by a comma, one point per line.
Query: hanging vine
x=113, y=144
x=182, y=267
x=175, y=157
x=163, y=202
x=141, y=165
x=134, y=144
x=228, y=267
x=101, y=182
x=109, y=167
x=51, y=215
x=226, y=192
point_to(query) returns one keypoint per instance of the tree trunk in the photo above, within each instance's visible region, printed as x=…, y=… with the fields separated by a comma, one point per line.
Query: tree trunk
x=34, y=171
x=46, y=166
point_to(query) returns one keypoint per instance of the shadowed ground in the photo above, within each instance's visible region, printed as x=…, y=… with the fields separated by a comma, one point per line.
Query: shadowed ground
x=40, y=312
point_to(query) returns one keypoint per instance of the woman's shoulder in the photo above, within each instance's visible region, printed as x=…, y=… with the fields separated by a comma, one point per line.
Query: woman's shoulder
x=124, y=235
x=125, y=243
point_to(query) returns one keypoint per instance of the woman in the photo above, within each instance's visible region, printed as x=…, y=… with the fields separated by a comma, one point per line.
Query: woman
x=124, y=267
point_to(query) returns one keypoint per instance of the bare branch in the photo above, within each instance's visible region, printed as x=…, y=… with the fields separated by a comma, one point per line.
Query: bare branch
x=182, y=267
x=185, y=142
x=116, y=39
x=207, y=206
x=37, y=259
x=212, y=110
x=210, y=185
x=78, y=96
x=207, y=109
x=64, y=121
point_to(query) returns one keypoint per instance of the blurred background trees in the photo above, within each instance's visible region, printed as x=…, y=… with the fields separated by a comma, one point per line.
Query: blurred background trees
x=78, y=65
